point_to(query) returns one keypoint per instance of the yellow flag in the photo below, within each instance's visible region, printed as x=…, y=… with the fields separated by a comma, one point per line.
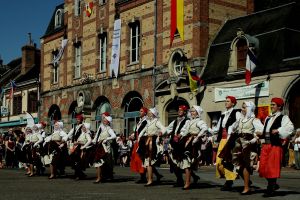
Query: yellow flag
x=193, y=83
x=180, y=18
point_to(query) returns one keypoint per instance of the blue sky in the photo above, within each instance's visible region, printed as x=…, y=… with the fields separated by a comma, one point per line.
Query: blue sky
x=17, y=19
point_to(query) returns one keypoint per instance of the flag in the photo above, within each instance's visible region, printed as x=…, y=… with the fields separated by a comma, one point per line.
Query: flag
x=89, y=8
x=12, y=88
x=115, y=51
x=177, y=19
x=57, y=58
x=194, y=79
x=251, y=62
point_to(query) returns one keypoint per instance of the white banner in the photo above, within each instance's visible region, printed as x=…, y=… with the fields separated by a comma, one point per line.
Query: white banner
x=57, y=58
x=255, y=90
x=115, y=53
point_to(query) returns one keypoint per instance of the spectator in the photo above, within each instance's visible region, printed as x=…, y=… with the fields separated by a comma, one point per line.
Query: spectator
x=10, y=145
x=124, y=150
x=2, y=151
x=296, y=141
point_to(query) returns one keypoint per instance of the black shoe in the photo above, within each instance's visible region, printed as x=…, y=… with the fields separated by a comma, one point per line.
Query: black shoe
x=196, y=179
x=276, y=187
x=246, y=193
x=149, y=185
x=269, y=193
x=97, y=181
x=178, y=185
x=159, y=176
x=141, y=181
x=186, y=188
x=227, y=186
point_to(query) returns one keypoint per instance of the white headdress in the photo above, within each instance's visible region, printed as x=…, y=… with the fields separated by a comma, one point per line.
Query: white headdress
x=154, y=111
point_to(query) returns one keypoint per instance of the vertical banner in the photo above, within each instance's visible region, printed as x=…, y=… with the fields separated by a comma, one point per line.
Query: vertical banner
x=115, y=52
x=180, y=17
x=173, y=21
x=177, y=19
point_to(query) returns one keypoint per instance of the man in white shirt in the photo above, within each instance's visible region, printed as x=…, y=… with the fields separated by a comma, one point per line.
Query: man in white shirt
x=276, y=128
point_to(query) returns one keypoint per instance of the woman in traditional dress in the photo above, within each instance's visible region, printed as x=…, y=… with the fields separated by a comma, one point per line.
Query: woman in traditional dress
x=195, y=129
x=153, y=129
x=78, y=156
x=55, y=149
x=102, y=140
x=244, y=153
x=34, y=140
x=136, y=163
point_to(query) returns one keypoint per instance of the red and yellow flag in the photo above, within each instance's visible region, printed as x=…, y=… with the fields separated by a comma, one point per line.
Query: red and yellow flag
x=177, y=17
x=89, y=8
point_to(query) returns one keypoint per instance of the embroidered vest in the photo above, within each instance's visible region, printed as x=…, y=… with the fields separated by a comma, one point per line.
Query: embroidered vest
x=274, y=139
x=230, y=121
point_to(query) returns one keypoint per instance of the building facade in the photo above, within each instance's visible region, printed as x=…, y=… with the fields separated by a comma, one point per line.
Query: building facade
x=77, y=60
x=273, y=37
x=22, y=95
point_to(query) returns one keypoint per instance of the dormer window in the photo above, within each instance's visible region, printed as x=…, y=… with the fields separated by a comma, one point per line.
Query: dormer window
x=241, y=53
x=58, y=18
x=238, y=51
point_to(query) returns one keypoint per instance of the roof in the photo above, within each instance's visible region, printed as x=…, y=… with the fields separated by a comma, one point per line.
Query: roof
x=278, y=33
x=31, y=74
x=51, y=27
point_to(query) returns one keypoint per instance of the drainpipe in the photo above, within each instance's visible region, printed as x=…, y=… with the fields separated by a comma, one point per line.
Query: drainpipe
x=155, y=52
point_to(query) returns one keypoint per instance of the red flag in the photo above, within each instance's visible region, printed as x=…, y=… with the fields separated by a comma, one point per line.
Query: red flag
x=173, y=20
x=13, y=86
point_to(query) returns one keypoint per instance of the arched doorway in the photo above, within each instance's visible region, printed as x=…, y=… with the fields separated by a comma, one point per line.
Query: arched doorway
x=54, y=114
x=100, y=106
x=132, y=103
x=294, y=104
x=172, y=109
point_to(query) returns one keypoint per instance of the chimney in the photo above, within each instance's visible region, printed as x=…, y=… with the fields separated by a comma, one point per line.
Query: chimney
x=28, y=56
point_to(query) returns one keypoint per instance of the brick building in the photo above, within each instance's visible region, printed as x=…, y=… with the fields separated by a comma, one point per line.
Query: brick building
x=150, y=71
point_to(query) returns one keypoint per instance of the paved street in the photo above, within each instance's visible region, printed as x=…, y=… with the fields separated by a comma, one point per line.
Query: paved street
x=15, y=185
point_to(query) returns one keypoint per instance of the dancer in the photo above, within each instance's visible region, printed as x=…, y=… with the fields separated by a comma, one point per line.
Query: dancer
x=153, y=129
x=102, y=141
x=195, y=130
x=224, y=130
x=276, y=127
x=136, y=163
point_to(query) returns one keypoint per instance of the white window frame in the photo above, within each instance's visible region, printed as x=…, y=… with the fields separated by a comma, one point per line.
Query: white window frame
x=134, y=46
x=102, y=52
x=77, y=65
x=77, y=7
x=58, y=18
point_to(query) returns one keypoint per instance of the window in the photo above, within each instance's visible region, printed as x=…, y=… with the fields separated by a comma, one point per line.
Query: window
x=55, y=75
x=102, y=2
x=55, y=69
x=102, y=52
x=17, y=105
x=32, y=102
x=77, y=7
x=241, y=53
x=134, y=41
x=58, y=18
x=77, y=66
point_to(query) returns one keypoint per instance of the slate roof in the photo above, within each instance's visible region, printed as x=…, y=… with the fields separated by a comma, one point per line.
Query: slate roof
x=51, y=27
x=278, y=32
